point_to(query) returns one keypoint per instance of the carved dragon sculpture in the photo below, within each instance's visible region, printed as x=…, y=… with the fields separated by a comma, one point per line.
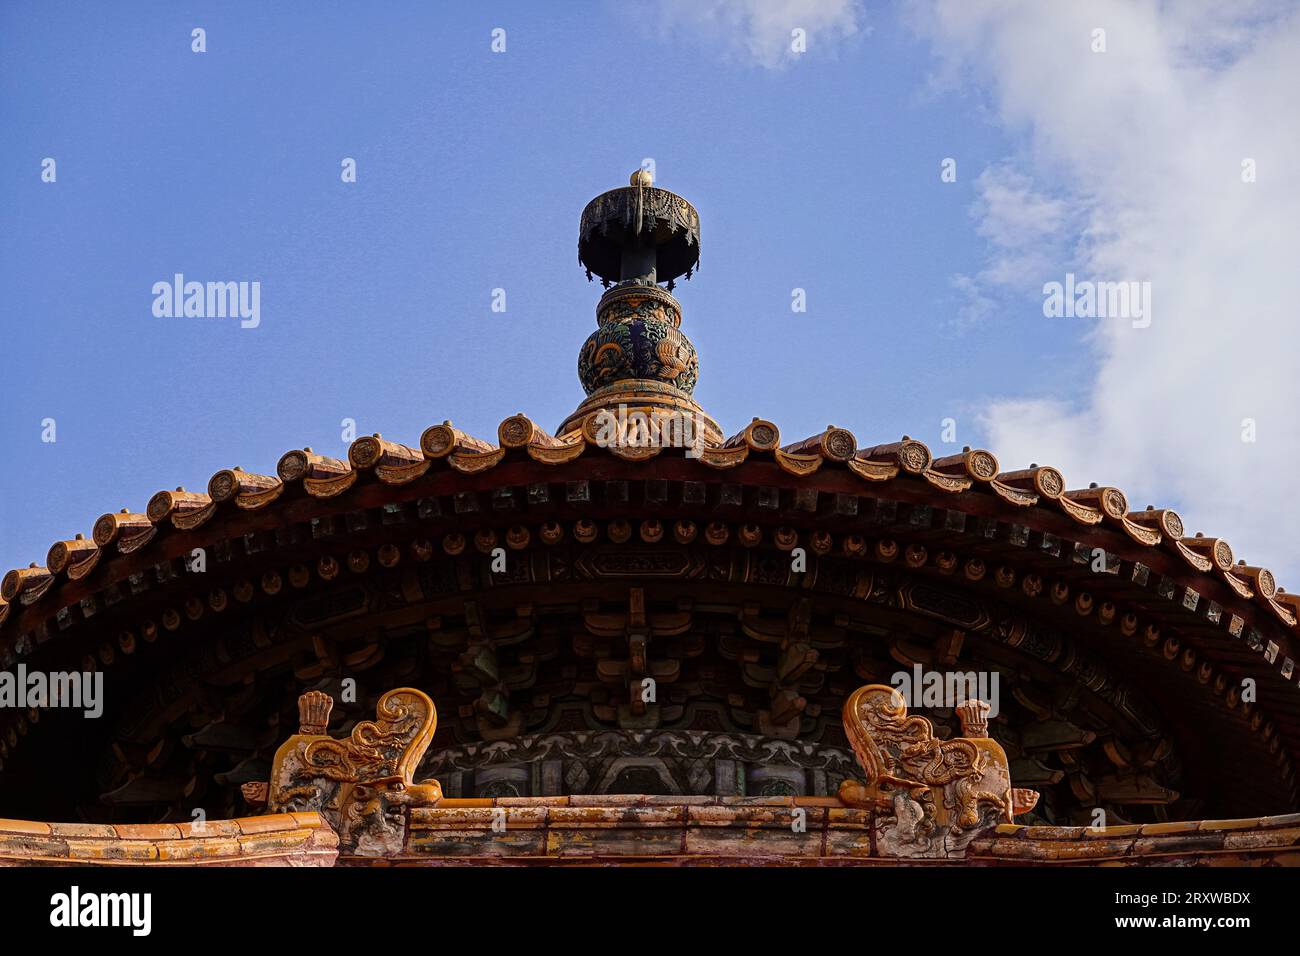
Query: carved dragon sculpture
x=362, y=783
x=928, y=789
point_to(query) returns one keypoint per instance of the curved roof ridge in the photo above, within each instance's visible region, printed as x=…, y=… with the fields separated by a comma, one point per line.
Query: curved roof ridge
x=970, y=471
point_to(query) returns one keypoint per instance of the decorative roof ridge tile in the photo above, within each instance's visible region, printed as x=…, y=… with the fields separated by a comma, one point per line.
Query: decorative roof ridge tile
x=946, y=482
x=473, y=462
x=1110, y=502
x=373, y=451
x=245, y=489
x=1113, y=505
x=758, y=435
x=26, y=585
x=973, y=463
x=1218, y=551
x=567, y=448
x=796, y=463
x=833, y=444
x=872, y=470
x=395, y=464
x=128, y=530
x=520, y=431
x=305, y=464
x=1043, y=480
x=910, y=455
x=723, y=457
x=441, y=441
x=176, y=504
x=77, y=556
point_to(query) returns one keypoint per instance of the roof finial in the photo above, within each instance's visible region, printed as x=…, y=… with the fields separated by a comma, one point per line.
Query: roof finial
x=639, y=234
x=633, y=238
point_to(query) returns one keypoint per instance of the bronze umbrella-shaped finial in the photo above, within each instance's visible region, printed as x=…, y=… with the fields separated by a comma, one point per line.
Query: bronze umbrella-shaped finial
x=639, y=233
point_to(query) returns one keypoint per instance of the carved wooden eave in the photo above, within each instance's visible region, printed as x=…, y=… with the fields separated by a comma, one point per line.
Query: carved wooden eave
x=880, y=472
x=958, y=520
x=375, y=465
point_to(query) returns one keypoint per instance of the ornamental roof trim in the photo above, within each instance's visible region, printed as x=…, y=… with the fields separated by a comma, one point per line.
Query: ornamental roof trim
x=973, y=474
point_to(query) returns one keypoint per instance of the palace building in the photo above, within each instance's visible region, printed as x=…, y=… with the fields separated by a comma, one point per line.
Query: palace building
x=645, y=637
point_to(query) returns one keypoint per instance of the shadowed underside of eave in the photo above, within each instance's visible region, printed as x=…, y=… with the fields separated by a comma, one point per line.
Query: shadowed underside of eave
x=1191, y=633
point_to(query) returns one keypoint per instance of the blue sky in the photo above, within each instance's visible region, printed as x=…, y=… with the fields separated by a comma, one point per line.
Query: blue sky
x=818, y=171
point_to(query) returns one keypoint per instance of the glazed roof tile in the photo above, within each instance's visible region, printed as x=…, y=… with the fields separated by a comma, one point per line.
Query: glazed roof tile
x=972, y=472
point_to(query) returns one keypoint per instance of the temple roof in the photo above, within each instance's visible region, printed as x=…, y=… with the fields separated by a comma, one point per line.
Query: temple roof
x=639, y=362
x=1178, y=621
x=971, y=480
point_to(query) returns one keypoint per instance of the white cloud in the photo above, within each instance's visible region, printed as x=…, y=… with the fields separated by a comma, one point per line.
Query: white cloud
x=1135, y=155
x=1026, y=232
x=761, y=30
